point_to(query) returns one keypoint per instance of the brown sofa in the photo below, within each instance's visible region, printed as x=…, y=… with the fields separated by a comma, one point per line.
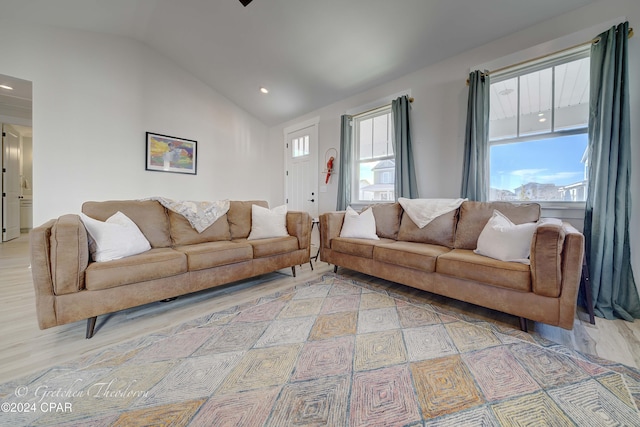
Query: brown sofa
x=440, y=258
x=70, y=287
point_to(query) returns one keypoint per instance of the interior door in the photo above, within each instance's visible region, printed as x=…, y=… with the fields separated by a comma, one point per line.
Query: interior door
x=10, y=183
x=302, y=169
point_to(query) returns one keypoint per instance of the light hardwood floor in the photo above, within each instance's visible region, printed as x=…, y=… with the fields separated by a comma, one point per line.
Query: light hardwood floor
x=25, y=349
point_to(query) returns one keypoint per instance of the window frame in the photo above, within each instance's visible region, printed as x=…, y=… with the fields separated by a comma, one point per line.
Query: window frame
x=355, y=147
x=521, y=70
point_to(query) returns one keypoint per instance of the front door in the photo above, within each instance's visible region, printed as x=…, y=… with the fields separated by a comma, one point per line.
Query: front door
x=301, y=175
x=10, y=183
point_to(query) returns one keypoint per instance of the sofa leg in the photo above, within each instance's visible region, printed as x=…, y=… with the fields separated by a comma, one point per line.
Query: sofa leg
x=91, y=324
x=293, y=270
x=335, y=269
x=585, y=286
x=523, y=325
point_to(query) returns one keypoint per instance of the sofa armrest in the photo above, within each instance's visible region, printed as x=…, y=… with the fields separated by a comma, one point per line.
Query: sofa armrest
x=299, y=225
x=556, y=263
x=546, y=259
x=330, y=226
x=69, y=253
x=572, y=258
x=59, y=253
x=39, y=243
x=59, y=258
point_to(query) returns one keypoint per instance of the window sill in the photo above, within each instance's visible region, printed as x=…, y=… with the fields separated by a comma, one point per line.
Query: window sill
x=550, y=205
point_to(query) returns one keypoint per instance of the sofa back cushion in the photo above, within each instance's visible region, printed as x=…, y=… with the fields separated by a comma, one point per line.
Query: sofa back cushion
x=239, y=217
x=387, y=217
x=149, y=215
x=440, y=231
x=183, y=233
x=475, y=215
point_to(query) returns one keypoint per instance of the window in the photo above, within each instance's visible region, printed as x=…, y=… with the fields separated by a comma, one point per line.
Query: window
x=538, y=131
x=374, y=160
x=300, y=146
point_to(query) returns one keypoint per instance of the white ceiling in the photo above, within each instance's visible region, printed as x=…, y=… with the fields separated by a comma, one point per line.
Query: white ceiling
x=308, y=53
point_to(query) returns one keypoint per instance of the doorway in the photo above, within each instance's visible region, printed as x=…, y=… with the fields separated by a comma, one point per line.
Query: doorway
x=16, y=150
x=301, y=167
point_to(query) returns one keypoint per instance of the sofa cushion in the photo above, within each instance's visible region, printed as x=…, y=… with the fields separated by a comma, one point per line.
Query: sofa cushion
x=440, y=231
x=268, y=223
x=358, y=247
x=183, y=233
x=115, y=238
x=214, y=254
x=154, y=264
x=465, y=264
x=420, y=256
x=359, y=225
x=149, y=215
x=275, y=246
x=387, y=217
x=475, y=215
x=239, y=217
x=501, y=239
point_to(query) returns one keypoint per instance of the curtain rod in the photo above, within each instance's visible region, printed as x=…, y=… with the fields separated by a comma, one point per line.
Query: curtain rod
x=376, y=108
x=592, y=41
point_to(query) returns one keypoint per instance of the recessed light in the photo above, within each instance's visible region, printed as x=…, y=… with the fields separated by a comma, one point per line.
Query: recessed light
x=540, y=114
x=542, y=120
x=264, y=90
x=6, y=87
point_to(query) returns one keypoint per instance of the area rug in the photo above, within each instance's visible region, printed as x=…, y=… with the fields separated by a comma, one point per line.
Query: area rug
x=332, y=352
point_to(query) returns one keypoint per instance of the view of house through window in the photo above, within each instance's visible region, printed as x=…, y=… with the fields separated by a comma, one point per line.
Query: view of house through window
x=374, y=160
x=538, y=131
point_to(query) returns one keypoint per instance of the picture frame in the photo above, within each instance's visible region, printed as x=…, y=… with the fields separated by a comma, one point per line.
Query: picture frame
x=166, y=153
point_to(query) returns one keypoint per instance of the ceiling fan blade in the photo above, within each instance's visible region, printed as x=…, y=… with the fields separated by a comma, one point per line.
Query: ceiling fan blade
x=245, y=2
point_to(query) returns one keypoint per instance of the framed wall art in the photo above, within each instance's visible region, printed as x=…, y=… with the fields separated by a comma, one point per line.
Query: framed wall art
x=170, y=154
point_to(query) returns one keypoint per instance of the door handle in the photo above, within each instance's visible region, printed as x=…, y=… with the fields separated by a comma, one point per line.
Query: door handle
x=311, y=200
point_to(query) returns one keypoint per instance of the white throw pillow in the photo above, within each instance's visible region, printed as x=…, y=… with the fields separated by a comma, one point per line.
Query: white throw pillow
x=116, y=238
x=267, y=223
x=359, y=226
x=501, y=239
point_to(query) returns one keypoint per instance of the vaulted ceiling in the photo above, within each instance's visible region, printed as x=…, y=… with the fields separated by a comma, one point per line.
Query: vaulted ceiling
x=308, y=53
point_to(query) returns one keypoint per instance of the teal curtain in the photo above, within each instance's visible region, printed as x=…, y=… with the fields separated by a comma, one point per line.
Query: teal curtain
x=608, y=206
x=475, y=169
x=344, y=164
x=405, y=179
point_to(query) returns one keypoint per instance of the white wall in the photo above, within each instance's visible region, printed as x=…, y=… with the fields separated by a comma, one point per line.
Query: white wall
x=95, y=96
x=439, y=109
